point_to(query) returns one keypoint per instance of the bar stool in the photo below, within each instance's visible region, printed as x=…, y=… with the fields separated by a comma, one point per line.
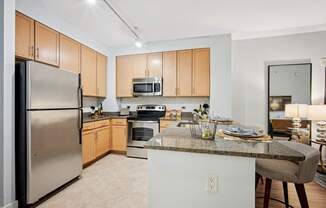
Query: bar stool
x=289, y=172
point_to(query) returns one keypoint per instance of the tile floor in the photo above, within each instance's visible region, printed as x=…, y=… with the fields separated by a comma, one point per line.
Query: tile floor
x=113, y=182
x=120, y=182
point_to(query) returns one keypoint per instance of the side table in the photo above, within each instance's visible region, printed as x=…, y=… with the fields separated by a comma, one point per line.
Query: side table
x=322, y=167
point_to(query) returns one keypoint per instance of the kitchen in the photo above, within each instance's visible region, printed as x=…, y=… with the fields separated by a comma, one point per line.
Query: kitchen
x=131, y=93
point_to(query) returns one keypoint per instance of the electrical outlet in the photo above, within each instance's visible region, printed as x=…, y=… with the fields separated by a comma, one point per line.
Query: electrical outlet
x=211, y=184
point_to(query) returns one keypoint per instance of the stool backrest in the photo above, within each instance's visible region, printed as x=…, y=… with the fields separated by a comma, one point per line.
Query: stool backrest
x=308, y=167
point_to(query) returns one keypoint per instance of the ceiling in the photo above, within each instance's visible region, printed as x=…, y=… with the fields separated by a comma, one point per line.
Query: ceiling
x=177, y=19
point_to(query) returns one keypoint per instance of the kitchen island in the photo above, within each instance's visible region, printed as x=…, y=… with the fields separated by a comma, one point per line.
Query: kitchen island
x=186, y=172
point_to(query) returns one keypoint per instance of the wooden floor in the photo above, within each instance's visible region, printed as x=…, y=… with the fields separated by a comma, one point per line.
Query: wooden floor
x=315, y=193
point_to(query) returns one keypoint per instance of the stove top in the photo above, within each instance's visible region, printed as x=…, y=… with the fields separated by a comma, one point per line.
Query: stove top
x=149, y=112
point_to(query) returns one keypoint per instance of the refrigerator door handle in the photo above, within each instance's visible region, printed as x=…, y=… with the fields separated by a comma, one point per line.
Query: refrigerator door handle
x=80, y=89
x=81, y=118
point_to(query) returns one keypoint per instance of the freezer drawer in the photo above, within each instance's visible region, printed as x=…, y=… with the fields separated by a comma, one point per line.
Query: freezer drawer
x=48, y=87
x=53, y=151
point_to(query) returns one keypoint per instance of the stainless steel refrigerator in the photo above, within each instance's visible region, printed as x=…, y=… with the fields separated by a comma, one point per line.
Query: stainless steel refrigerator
x=48, y=129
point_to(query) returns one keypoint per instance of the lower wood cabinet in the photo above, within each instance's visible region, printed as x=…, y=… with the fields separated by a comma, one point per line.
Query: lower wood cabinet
x=119, y=137
x=103, y=136
x=103, y=141
x=88, y=146
x=96, y=140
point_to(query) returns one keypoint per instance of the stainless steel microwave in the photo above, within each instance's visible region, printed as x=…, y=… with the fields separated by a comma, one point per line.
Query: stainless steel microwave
x=149, y=86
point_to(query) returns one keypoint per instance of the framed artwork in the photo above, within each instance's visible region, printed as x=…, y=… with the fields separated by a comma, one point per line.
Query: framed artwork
x=277, y=103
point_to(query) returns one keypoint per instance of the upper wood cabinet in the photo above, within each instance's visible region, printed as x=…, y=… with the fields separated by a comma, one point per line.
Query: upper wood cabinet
x=38, y=42
x=88, y=71
x=24, y=38
x=101, y=64
x=154, y=65
x=139, y=65
x=169, y=73
x=184, y=73
x=124, y=76
x=46, y=44
x=69, y=54
x=201, y=72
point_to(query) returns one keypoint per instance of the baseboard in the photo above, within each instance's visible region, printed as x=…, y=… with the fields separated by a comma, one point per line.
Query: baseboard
x=11, y=205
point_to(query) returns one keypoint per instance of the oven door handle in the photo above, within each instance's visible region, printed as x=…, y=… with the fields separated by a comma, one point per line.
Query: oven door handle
x=137, y=121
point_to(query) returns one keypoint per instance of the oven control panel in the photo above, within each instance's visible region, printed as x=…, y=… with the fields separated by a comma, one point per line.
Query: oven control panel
x=151, y=108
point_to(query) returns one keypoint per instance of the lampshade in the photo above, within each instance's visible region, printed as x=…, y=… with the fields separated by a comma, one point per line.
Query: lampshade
x=296, y=110
x=323, y=62
x=317, y=112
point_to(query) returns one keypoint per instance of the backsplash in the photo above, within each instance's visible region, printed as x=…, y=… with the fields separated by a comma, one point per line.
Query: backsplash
x=171, y=103
x=90, y=101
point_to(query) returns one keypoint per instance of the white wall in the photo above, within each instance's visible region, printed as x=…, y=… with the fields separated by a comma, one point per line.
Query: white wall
x=249, y=71
x=220, y=45
x=7, y=66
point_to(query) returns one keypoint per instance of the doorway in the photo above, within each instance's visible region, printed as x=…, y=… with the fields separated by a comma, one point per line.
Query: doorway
x=287, y=84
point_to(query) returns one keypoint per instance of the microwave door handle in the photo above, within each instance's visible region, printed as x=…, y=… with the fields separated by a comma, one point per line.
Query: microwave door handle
x=153, y=88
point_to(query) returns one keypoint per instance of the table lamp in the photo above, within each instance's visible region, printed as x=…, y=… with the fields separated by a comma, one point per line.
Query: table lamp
x=296, y=112
x=318, y=113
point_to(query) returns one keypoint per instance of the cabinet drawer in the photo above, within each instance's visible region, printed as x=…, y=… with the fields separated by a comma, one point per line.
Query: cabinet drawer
x=102, y=123
x=88, y=126
x=119, y=121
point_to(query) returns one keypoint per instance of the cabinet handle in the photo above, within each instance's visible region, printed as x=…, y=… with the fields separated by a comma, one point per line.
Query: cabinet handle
x=31, y=51
x=37, y=53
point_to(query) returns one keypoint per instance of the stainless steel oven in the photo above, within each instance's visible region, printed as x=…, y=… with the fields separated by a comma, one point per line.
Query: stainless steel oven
x=142, y=131
x=142, y=128
x=149, y=86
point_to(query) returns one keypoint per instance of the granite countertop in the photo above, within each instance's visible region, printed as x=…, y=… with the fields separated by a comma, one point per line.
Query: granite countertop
x=179, y=139
x=106, y=115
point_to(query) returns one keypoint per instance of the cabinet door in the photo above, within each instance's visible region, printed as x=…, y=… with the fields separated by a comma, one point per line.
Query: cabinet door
x=24, y=36
x=201, y=72
x=119, y=138
x=184, y=75
x=101, y=75
x=103, y=141
x=69, y=54
x=46, y=44
x=169, y=73
x=154, y=64
x=124, y=75
x=88, y=71
x=89, y=146
x=139, y=65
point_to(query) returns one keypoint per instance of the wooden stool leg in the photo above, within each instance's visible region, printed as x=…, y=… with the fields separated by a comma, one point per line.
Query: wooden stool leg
x=286, y=195
x=257, y=179
x=302, y=195
x=268, y=186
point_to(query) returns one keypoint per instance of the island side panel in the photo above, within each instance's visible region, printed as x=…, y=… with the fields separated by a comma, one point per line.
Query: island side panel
x=179, y=180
